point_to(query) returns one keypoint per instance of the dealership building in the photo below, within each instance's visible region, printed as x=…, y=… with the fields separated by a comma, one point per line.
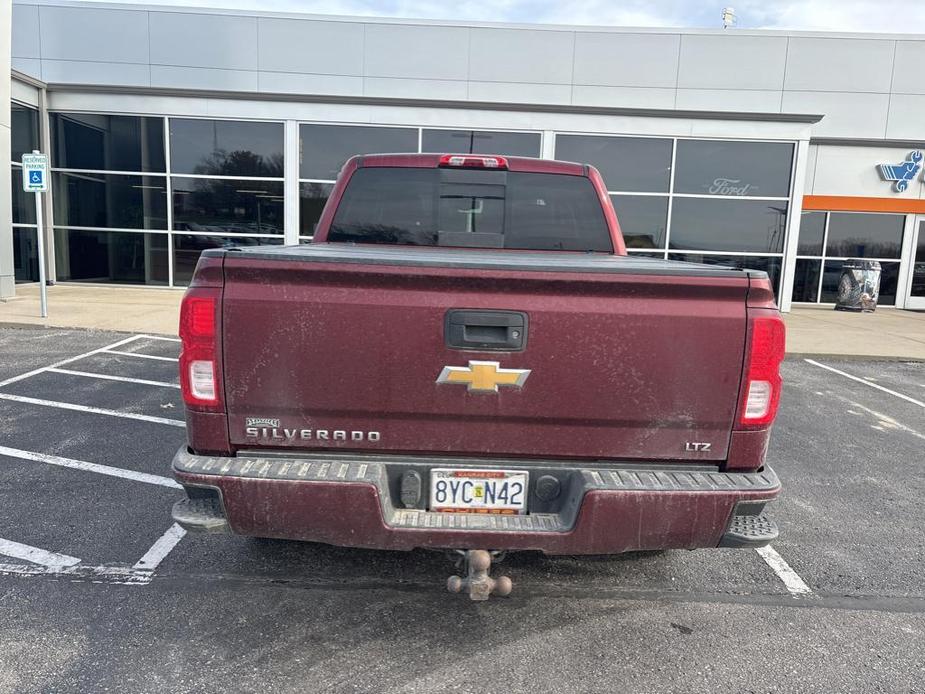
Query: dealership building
x=173, y=130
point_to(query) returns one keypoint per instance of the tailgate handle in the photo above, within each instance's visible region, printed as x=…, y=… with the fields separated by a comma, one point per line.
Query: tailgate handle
x=503, y=331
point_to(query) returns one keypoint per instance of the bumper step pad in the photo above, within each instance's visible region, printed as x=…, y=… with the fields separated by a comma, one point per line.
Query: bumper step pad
x=750, y=531
x=200, y=516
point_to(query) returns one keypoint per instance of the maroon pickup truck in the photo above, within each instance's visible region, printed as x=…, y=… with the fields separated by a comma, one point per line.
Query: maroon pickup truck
x=466, y=359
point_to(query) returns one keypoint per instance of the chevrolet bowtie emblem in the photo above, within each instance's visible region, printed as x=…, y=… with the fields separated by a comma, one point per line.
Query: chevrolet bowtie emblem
x=483, y=376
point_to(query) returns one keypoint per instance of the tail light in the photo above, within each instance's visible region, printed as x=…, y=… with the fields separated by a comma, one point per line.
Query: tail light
x=761, y=392
x=468, y=161
x=200, y=380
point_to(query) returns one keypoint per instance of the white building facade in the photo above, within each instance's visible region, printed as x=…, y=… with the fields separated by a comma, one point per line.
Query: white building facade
x=171, y=131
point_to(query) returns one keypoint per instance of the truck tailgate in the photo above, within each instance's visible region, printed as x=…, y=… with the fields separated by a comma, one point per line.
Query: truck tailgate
x=628, y=359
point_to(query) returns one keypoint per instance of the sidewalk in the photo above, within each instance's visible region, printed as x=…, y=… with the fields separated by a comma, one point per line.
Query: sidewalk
x=887, y=333
x=141, y=310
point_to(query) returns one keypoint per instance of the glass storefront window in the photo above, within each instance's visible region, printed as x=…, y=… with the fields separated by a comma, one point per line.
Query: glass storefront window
x=312, y=198
x=770, y=265
x=323, y=149
x=481, y=142
x=850, y=235
x=110, y=200
x=728, y=225
x=23, y=203
x=806, y=280
x=227, y=206
x=628, y=164
x=858, y=235
x=187, y=248
x=643, y=219
x=812, y=232
x=111, y=256
x=889, y=282
x=226, y=148
x=25, y=254
x=105, y=142
x=717, y=167
x=24, y=135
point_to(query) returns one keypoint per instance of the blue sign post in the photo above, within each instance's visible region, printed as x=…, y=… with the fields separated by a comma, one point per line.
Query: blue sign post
x=35, y=180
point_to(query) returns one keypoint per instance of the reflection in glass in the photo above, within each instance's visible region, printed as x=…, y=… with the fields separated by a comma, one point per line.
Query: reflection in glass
x=728, y=225
x=110, y=200
x=187, y=247
x=223, y=206
x=324, y=148
x=647, y=254
x=226, y=147
x=103, y=142
x=717, y=167
x=110, y=256
x=748, y=262
x=812, y=231
x=861, y=235
x=24, y=135
x=628, y=164
x=23, y=202
x=25, y=255
x=642, y=218
x=481, y=142
x=806, y=280
x=889, y=280
x=312, y=198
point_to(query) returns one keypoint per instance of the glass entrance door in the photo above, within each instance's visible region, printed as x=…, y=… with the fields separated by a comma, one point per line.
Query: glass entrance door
x=916, y=298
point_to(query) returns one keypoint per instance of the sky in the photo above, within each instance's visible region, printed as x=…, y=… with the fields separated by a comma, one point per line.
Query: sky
x=898, y=16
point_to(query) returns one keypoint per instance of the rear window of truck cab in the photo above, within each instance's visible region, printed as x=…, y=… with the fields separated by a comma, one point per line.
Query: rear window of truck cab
x=471, y=208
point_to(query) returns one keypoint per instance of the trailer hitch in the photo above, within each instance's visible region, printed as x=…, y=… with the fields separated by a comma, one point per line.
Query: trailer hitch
x=477, y=581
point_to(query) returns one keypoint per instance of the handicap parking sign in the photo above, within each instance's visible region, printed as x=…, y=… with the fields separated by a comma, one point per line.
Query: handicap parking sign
x=34, y=173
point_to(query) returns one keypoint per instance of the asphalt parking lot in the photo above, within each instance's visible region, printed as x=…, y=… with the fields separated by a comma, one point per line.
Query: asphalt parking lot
x=100, y=592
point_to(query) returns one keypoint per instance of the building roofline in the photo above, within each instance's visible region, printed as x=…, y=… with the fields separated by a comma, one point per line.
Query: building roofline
x=438, y=103
x=27, y=79
x=364, y=19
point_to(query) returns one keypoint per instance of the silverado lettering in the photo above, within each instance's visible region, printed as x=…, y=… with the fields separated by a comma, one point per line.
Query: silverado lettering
x=309, y=434
x=434, y=286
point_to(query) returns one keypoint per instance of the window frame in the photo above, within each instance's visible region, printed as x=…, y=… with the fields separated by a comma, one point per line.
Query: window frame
x=823, y=257
x=672, y=196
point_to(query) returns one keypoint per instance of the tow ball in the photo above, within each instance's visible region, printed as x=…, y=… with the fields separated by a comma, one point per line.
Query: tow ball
x=477, y=581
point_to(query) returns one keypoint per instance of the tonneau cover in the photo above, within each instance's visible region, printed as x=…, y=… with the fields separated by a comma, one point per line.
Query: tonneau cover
x=466, y=258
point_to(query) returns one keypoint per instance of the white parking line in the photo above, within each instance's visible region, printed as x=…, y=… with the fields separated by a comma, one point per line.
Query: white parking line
x=120, y=575
x=107, y=377
x=139, y=355
x=35, y=372
x=160, y=337
x=160, y=549
x=792, y=581
x=89, y=467
x=93, y=410
x=865, y=382
x=52, y=560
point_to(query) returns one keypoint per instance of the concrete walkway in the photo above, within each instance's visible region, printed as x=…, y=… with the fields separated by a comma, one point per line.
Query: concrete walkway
x=136, y=310
x=887, y=333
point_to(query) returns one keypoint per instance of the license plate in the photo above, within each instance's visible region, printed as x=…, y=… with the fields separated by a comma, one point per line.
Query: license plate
x=478, y=491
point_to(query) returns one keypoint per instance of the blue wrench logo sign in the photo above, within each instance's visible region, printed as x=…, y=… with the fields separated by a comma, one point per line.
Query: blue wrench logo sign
x=901, y=174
